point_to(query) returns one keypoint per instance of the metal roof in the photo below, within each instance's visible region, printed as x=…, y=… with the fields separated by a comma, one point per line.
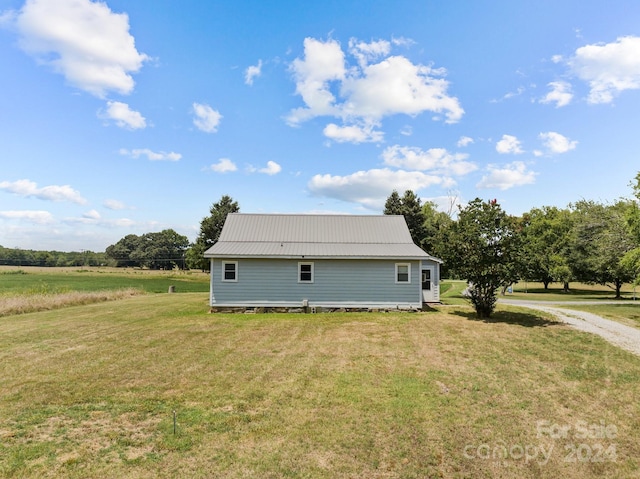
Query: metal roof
x=315, y=236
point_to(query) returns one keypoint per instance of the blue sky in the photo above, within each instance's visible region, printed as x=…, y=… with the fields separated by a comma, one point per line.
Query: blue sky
x=124, y=117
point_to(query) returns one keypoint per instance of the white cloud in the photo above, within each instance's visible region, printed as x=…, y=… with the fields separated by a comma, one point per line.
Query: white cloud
x=353, y=133
x=437, y=160
x=365, y=92
x=323, y=62
x=272, y=168
x=509, y=144
x=28, y=188
x=31, y=216
x=114, y=205
x=509, y=176
x=84, y=41
x=224, y=165
x=608, y=68
x=560, y=94
x=370, y=188
x=123, y=116
x=206, y=118
x=92, y=214
x=395, y=85
x=557, y=143
x=252, y=72
x=151, y=155
x=464, y=141
x=368, y=52
x=406, y=130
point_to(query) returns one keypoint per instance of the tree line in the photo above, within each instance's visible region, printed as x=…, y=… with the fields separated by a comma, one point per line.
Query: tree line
x=27, y=257
x=587, y=241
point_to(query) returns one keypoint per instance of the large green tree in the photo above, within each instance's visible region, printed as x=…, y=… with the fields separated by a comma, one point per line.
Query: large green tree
x=163, y=250
x=545, y=238
x=210, y=229
x=600, y=238
x=483, y=249
x=410, y=206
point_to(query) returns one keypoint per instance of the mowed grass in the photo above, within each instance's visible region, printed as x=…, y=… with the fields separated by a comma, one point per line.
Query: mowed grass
x=90, y=391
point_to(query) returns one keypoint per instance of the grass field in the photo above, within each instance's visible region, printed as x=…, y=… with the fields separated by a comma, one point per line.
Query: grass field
x=28, y=280
x=91, y=390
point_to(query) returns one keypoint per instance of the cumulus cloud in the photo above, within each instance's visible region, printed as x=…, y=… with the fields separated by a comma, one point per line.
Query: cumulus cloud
x=38, y=216
x=608, y=68
x=224, y=165
x=509, y=176
x=123, y=116
x=370, y=188
x=509, y=144
x=272, y=168
x=560, y=94
x=353, y=133
x=28, y=188
x=363, y=92
x=206, y=118
x=464, y=141
x=114, y=205
x=436, y=160
x=151, y=155
x=252, y=72
x=92, y=214
x=557, y=143
x=83, y=40
x=368, y=52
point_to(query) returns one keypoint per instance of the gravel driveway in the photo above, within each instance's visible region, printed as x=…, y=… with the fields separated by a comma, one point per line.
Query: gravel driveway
x=623, y=336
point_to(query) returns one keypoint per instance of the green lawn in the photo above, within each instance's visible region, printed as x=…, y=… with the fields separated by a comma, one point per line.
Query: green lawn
x=90, y=391
x=54, y=280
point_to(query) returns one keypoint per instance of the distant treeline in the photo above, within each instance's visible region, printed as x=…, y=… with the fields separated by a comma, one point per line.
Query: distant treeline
x=27, y=257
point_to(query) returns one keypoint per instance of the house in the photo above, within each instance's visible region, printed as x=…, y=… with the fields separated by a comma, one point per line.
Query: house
x=320, y=262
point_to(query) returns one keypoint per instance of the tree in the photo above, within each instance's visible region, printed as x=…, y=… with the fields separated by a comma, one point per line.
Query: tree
x=544, y=242
x=600, y=239
x=121, y=251
x=631, y=259
x=483, y=246
x=410, y=207
x=436, y=224
x=163, y=250
x=210, y=229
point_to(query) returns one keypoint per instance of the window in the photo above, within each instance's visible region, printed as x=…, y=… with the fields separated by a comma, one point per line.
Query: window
x=229, y=271
x=305, y=272
x=403, y=273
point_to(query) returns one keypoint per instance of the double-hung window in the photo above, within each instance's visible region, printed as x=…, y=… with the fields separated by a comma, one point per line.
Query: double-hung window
x=230, y=271
x=305, y=272
x=403, y=272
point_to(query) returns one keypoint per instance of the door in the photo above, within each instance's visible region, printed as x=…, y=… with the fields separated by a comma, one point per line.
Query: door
x=427, y=285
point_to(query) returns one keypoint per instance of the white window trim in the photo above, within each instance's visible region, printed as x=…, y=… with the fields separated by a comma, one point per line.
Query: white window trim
x=408, y=265
x=235, y=280
x=300, y=271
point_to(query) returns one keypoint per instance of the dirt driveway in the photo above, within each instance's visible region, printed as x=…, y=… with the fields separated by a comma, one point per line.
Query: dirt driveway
x=623, y=336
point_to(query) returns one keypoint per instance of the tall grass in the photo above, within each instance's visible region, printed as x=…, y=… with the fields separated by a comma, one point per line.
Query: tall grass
x=43, y=299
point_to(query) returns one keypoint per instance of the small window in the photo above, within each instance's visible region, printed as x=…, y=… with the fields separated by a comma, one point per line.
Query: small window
x=229, y=271
x=305, y=272
x=403, y=273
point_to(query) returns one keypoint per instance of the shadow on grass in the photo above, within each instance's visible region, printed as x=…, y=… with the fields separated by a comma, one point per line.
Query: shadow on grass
x=528, y=320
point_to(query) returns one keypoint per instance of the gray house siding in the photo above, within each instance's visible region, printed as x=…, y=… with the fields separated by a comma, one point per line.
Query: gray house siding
x=336, y=283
